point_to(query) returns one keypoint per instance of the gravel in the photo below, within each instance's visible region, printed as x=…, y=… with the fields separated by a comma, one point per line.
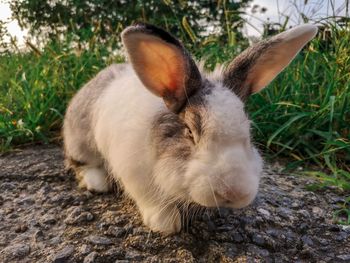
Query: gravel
x=46, y=218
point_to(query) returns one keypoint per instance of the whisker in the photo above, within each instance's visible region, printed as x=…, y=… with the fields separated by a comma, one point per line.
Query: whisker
x=212, y=191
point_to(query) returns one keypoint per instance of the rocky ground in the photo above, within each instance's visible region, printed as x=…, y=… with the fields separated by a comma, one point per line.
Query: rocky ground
x=44, y=217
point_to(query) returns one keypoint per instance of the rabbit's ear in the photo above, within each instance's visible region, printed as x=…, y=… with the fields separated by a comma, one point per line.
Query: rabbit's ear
x=162, y=64
x=257, y=66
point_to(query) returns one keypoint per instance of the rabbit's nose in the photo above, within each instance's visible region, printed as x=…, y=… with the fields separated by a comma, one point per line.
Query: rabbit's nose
x=232, y=197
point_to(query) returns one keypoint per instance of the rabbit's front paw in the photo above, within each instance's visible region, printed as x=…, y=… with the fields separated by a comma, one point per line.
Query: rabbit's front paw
x=166, y=220
x=94, y=179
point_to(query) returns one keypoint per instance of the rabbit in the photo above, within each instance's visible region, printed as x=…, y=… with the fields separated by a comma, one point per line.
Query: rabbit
x=170, y=132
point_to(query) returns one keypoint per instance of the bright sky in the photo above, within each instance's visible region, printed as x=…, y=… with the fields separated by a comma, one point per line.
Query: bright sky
x=274, y=7
x=315, y=8
x=13, y=27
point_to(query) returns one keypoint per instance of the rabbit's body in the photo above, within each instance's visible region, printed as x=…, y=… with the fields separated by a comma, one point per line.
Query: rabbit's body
x=190, y=143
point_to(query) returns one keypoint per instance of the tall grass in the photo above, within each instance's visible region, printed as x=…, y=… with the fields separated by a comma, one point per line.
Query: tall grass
x=35, y=88
x=305, y=113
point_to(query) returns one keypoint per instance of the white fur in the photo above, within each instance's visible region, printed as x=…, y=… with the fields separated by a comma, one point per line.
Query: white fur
x=225, y=161
x=122, y=121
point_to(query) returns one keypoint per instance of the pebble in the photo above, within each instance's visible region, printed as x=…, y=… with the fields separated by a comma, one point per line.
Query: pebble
x=48, y=219
x=78, y=215
x=26, y=201
x=284, y=212
x=344, y=257
x=91, y=258
x=116, y=231
x=21, y=228
x=264, y=212
x=55, y=241
x=16, y=251
x=64, y=254
x=185, y=255
x=295, y=205
x=307, y=240
x=7, y=186
x=237, y=238
x=85, y=249
x=121, y=220
x=304, y=213
x=133, y=255
x=317, y=211
x=100, y=240
x=115, y=252
x=258, y=240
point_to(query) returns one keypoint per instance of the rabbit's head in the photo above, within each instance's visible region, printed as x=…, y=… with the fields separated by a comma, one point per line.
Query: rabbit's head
x=202, y=143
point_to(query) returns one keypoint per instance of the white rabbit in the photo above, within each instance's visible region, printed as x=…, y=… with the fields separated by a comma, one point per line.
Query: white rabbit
x=170, y=133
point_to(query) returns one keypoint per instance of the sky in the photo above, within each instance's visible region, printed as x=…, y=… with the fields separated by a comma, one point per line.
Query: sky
x=274, y=9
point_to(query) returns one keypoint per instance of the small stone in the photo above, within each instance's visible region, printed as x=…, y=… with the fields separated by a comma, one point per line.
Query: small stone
x=304, y=213
x=16, y=251
x=48, y=220
x=138, y=231
x=91, y=258
x=7, y=186
x=78, y=215
x=273, y=232
x=317, y=211
x=133, y=255
x=345, y=228
x=258, y=240
x=237, y=237
x=295, y=205
x=344, y=257
x=26, y=201
x=99, y=240
x=342, y=236
x=39, y=236
x=55, y=240
x=307, y=240
x=323, y=242
x=264, y=212
x=63, y=199
x=122, y=261
x=64, y=254
x=116, y=231
x=114, y=252
x=108, y=217
x=85, y=249
x=185, y=255
x=21, y=228
x=284, y=212
x=120, y=220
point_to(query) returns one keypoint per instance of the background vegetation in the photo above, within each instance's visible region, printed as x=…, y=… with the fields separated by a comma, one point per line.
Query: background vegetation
x=303, y=116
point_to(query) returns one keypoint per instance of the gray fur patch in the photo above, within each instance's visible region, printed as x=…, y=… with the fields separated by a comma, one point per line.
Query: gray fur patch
x=169, y=137
x=237, y=71
x=168, y=131
x=78, y=119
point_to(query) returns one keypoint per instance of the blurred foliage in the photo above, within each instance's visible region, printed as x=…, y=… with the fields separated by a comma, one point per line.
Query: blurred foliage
x=185, y=19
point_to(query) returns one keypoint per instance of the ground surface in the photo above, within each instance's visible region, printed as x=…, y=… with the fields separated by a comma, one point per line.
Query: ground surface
x=45, y=218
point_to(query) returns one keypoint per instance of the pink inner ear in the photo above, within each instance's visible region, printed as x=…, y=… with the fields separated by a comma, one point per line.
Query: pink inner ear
x=161, y=66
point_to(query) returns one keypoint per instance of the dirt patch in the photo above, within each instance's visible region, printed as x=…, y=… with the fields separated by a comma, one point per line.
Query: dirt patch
x=46, y=218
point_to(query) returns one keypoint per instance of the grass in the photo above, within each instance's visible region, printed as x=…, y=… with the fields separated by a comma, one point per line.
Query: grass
x=35, y=88
x=303, y=115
